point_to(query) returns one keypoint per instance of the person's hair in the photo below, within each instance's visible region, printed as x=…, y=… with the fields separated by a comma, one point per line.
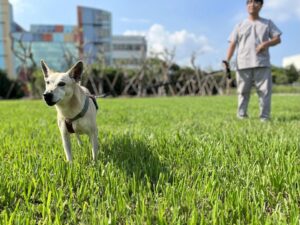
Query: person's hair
x=261, y=1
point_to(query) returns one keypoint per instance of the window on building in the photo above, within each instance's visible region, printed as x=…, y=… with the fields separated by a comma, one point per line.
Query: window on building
x=127, y=47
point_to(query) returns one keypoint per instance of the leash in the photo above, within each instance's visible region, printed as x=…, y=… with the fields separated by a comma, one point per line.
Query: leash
x=103, y=95
x=161, y=84
x=227, y=69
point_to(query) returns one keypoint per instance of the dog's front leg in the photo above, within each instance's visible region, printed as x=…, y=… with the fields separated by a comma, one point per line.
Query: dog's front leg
x=67, y=145
x=94, y=141
x=65, y=139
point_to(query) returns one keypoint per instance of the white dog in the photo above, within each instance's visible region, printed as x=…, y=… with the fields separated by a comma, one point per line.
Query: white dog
x=76, y=108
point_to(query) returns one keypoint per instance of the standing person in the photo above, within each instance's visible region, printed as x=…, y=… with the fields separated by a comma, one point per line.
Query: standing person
x=252, y=39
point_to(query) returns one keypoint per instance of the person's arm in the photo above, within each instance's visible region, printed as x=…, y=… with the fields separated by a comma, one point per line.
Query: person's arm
x=230, y=51
x=272, y=42
x=229, y=55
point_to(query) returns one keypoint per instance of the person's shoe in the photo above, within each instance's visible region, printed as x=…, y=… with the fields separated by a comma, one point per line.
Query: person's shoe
x=264, y=120
x=242, y=117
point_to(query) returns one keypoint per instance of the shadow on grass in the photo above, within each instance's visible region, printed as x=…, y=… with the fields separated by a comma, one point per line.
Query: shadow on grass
x=135, y=157
x=288, y=118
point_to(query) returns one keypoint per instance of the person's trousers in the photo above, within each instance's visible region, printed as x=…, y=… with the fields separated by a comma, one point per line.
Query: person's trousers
x=261, y=77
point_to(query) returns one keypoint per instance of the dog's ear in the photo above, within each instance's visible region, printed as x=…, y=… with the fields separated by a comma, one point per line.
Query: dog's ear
x=45, y=69
x=76, y=71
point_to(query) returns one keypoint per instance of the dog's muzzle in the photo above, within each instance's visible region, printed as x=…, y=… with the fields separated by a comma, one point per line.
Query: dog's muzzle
x=48, y=96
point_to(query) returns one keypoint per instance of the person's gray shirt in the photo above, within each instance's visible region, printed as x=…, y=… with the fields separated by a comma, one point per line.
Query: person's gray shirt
x=247, y=35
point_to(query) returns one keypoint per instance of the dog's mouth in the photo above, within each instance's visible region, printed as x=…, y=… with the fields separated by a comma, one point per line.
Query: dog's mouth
x=49, y=99
x=50, y=103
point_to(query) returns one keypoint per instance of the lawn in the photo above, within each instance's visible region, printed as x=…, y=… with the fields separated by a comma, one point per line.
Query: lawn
x=178, y=161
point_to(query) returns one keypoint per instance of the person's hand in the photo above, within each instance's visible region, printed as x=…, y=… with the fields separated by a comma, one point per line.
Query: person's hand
x=226, y=64
x=262, y=47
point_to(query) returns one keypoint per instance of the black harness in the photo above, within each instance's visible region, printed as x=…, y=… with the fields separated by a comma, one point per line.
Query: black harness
x=68, y=122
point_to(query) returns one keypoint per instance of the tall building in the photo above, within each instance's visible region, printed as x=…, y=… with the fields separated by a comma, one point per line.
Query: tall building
x=6, y=25
x=61, y=45
x=95, y=33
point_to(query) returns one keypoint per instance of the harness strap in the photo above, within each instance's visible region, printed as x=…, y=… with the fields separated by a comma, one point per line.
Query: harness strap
x=69, y=127
x=68, y=122
x=94, y=101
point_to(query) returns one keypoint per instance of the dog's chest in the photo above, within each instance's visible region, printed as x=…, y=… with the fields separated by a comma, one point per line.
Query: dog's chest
x=80, y=126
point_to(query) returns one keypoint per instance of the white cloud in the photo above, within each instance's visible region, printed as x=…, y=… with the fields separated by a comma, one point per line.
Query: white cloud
x=282, y=10
x=185, y=43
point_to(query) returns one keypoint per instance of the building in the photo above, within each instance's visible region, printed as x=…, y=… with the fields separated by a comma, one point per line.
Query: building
x=95, y=34
x=62, y=45
x=6, y=26
x=56, y=44
x=292, y=60
x=129, y=51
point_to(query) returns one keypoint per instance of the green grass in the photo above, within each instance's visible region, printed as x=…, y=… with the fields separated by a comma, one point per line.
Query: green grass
x=163, y=161
x=292, y=89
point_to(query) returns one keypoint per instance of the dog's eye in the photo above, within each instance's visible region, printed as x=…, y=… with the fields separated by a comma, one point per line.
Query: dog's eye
x=47, y=82
x=61, y=84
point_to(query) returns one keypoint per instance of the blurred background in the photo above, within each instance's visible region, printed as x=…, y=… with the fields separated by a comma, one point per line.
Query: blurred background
x=153, y=48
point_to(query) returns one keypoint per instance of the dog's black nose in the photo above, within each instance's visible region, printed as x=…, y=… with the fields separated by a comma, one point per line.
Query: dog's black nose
x=48, y=96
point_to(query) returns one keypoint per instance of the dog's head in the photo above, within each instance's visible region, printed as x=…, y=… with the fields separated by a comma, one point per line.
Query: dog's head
x=60, y=86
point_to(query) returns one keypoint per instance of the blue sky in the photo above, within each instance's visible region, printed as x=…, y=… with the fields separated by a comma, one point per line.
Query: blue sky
x=187, y=26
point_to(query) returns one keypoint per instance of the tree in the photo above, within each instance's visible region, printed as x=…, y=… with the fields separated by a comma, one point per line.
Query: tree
x=8, y=88
x=292, y=74
x=279, y=75
x=23, y=52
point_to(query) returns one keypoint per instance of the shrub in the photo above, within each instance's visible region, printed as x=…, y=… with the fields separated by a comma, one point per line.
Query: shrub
x=10, y=89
